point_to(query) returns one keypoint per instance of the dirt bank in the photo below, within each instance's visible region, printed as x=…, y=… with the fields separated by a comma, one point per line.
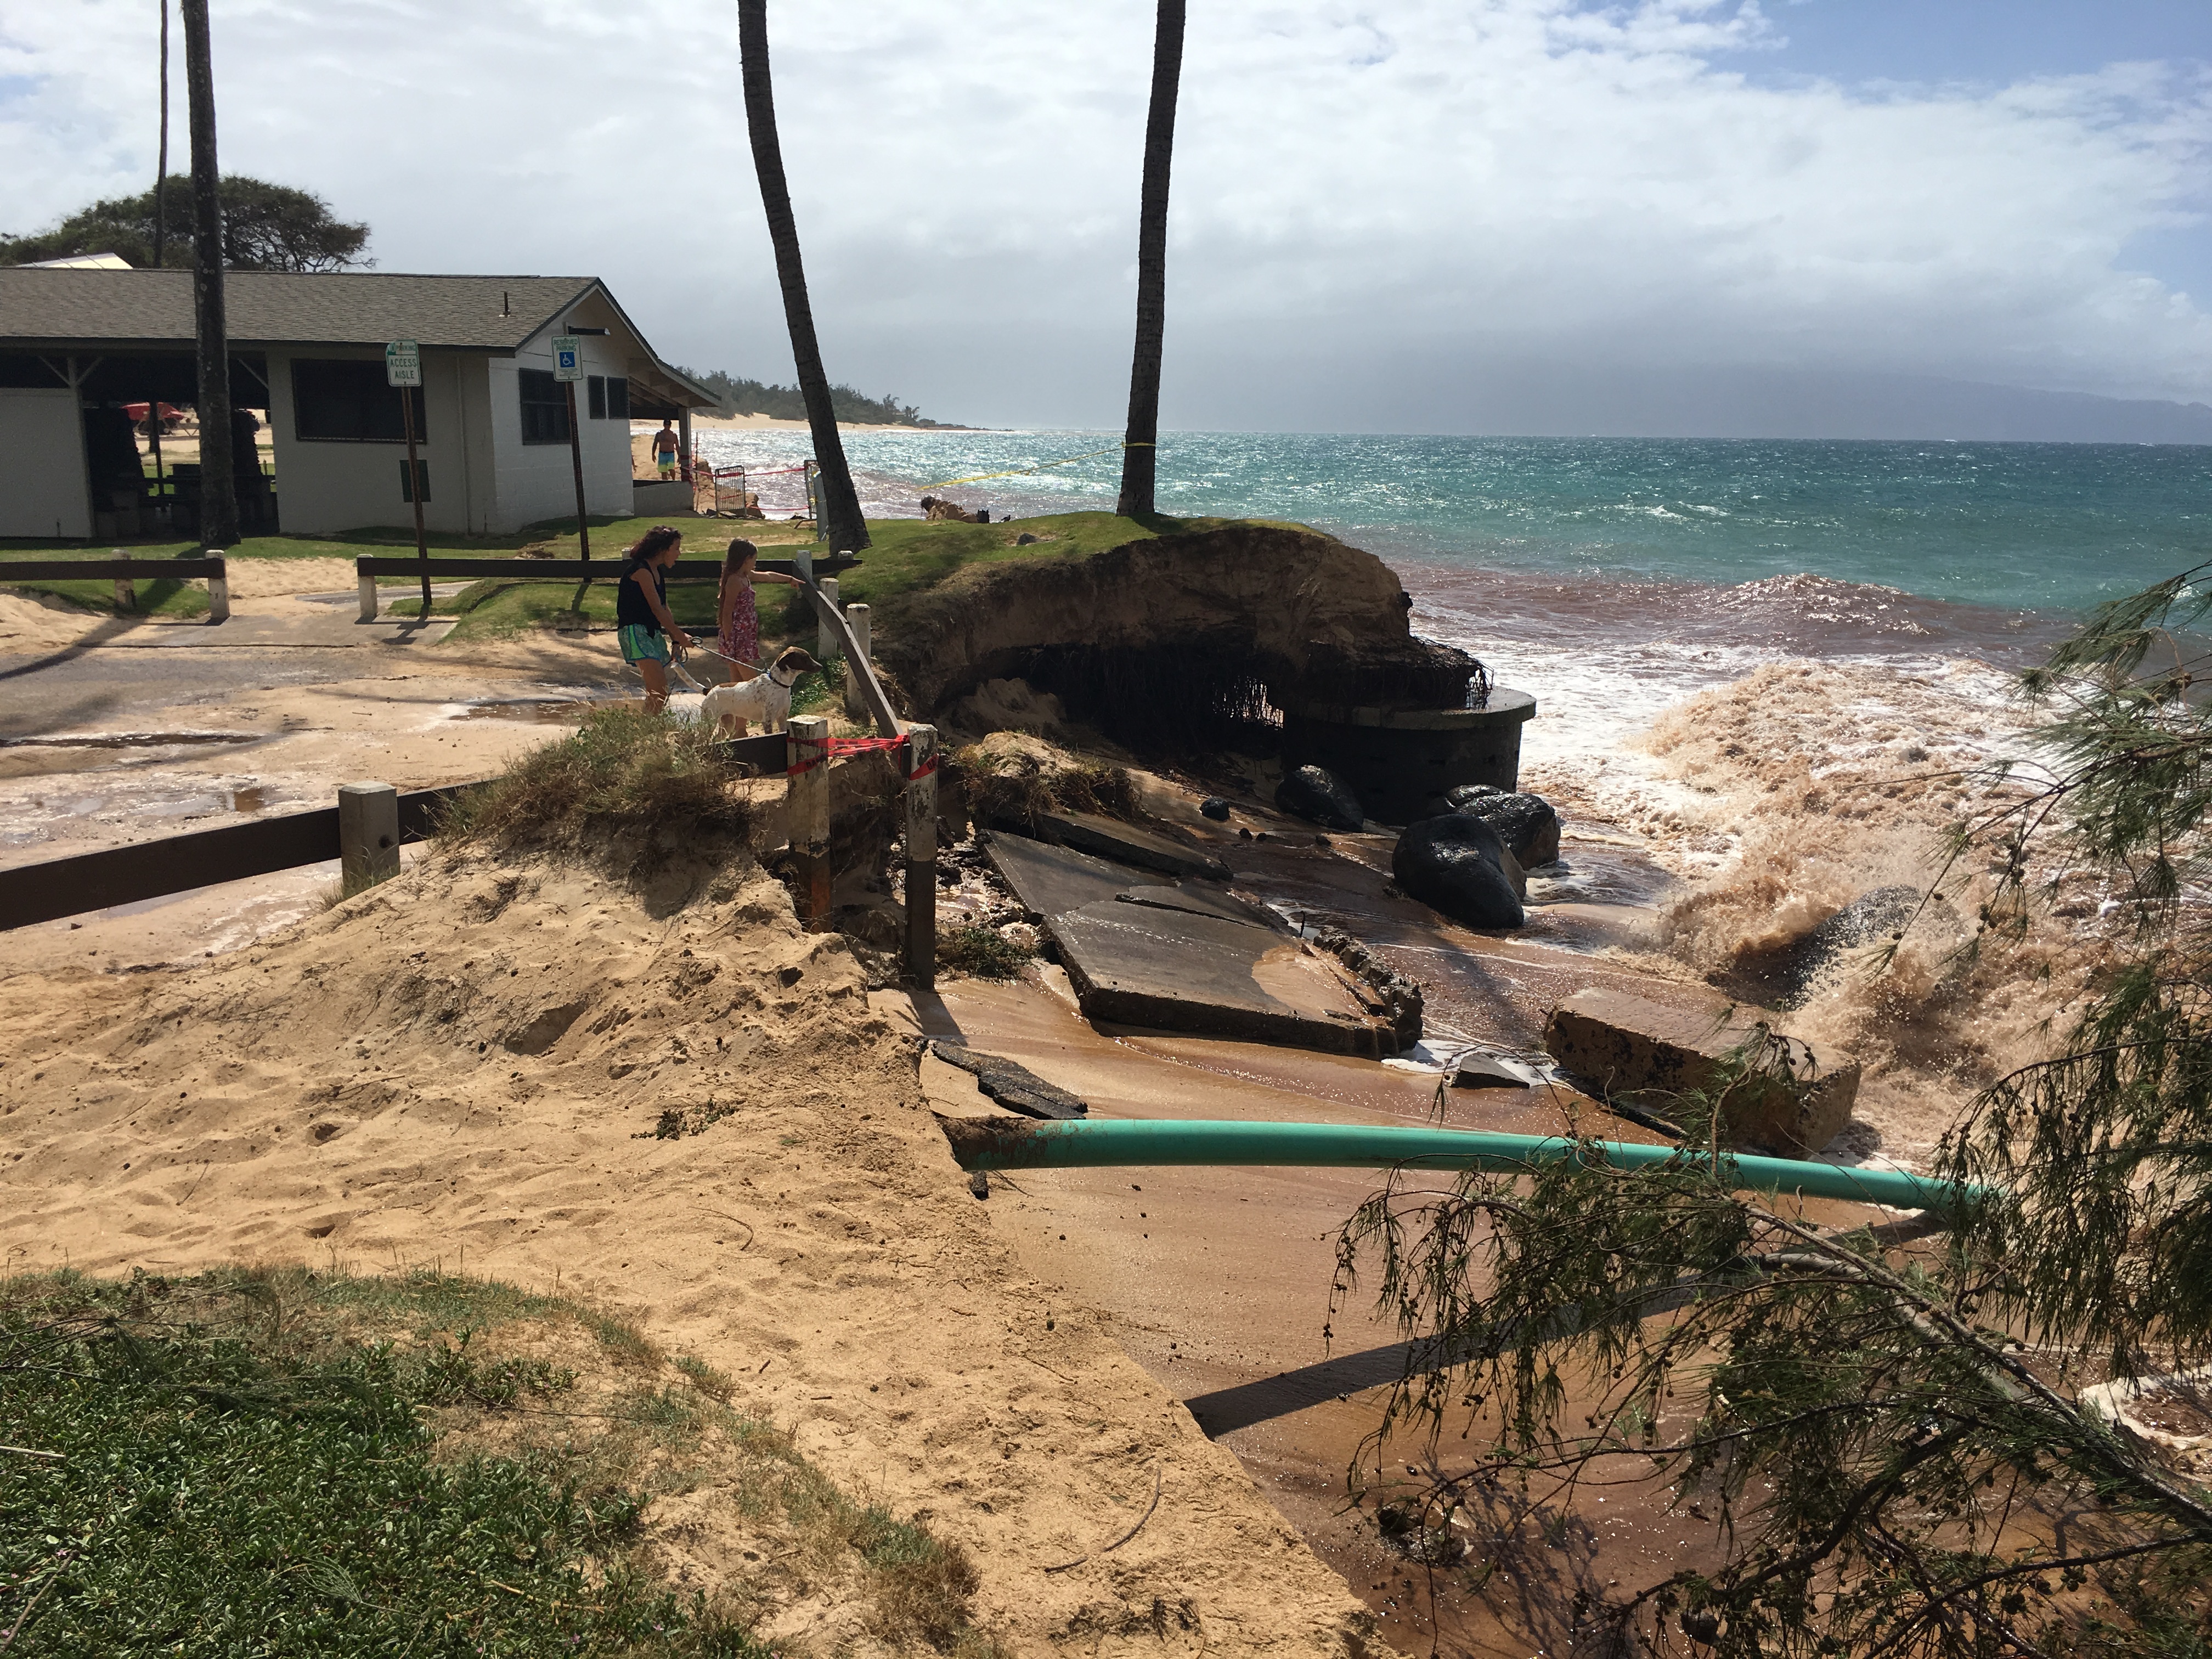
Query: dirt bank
x=672, y=1101
x=1138, y=631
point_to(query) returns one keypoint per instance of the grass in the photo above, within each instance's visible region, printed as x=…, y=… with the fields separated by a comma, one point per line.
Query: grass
x=625, y=781
x=981, y=952
x=1017, y=787
x=290, y=1463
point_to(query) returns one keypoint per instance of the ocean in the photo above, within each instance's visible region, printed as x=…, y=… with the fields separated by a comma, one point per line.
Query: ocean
x=1770, y=676
x=1612, y=576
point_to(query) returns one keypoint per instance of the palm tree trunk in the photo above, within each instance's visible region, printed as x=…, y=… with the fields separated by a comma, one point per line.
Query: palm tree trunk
x=161, y=170
x=218, y=493
x=1141, y=440
x=839, y=525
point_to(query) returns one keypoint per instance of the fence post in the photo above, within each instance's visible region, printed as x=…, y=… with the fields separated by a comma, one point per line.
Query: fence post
x=825, y=643
x=126, y=591
x=219, y=591
x=368, y=594
x=856, y=619
x=368, y=834
x=807, y=804
x=921, y=857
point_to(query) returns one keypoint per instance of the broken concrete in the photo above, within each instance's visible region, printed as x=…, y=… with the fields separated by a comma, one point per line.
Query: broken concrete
x=1110, y=838
x=1659, y=1060
x=1012, y=1085
x=1175, y=972
x=1047, y=880
x=1203, y=902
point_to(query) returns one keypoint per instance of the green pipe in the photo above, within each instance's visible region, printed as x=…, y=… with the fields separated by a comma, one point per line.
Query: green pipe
x=1010, y=1143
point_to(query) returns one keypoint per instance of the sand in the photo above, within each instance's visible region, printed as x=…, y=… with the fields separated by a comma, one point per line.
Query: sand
x=476, y=1065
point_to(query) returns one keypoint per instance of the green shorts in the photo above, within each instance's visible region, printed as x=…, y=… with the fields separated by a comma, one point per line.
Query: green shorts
x=642, y=644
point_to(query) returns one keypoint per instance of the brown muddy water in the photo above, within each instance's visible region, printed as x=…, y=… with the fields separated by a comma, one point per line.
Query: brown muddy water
x=1220, y=1278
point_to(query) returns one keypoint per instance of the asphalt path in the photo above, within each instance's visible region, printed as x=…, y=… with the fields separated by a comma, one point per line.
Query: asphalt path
x=68, y=689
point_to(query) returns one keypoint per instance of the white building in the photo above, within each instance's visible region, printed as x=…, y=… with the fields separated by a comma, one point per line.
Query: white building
x=76, y=345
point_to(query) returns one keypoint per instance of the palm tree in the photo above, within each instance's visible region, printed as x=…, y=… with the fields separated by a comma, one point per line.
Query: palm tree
x=1141, y=440
x=218, y=492
x=841, y=525
x=161, y=167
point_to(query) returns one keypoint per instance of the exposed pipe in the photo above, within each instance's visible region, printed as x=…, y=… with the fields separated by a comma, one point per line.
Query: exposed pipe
x=1012, y=1143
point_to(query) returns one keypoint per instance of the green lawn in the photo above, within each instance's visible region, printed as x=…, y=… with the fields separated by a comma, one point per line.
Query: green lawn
x=907, y=555
x=310, y=1466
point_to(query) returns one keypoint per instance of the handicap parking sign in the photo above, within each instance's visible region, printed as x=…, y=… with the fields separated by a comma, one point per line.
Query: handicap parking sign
x=567, y=357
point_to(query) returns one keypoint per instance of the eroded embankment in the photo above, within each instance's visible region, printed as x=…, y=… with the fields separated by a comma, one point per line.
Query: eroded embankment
x=1150, y=640
x=676, y=1103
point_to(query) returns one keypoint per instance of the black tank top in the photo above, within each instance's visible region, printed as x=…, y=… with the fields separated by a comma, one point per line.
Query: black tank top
x=631, y=607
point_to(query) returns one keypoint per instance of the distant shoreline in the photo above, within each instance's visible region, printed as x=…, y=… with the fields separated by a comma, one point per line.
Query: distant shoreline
x=771, y=423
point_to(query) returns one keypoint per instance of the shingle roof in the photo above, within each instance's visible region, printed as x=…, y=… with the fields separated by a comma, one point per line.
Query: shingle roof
x=55, y=309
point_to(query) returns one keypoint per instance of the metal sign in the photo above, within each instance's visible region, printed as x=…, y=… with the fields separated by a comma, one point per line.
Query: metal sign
x=403, y=363
x=567, y=357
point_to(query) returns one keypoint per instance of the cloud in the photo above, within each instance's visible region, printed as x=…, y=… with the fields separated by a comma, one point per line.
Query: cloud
x=1481, y=188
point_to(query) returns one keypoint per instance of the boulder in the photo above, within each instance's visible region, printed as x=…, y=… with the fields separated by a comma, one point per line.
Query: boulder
x=1215, y=808
x=1460, y=866
x=1787, y=974
x=1527, y=823
x=1315, y=795
x=1654, y=1058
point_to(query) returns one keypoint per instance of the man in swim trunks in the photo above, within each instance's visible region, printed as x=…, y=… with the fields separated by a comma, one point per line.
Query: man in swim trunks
x=665, y=444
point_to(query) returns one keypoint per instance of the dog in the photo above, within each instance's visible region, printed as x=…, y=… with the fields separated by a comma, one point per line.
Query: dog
x=765, y=698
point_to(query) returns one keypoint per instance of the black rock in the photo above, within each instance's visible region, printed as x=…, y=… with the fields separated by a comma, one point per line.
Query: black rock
x=1460, y=794
x=1023, y=540
x=1215, y=808
x=1527, y=823
x=1784, y=974
x=1459, y=865
x=1315, y=795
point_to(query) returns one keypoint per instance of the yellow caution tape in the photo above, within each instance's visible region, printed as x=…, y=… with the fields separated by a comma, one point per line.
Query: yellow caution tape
x=1015, y=472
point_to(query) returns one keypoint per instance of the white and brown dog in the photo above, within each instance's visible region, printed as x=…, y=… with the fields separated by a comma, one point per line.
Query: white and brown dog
x=766, y=697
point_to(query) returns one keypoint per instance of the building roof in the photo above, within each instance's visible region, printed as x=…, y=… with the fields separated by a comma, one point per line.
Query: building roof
x=81, y=262
x=76, y=309
x=55, y=309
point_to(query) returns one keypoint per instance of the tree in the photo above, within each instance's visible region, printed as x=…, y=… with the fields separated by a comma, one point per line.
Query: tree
x=161, y=163
x=1886, y=1430
x=1140, y=441
x=840, y=526
x=265, y=227
x=218, y=511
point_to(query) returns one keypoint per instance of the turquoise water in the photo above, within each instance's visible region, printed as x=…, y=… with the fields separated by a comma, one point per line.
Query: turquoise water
x=2043, y=527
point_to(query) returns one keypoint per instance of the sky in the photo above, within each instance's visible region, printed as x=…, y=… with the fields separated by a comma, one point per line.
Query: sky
x=1406, y=215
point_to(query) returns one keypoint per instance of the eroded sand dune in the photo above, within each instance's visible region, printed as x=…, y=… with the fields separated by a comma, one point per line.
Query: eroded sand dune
x=484, y=1067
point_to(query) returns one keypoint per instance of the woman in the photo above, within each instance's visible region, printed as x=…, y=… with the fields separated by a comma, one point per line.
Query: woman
x=738, y=617
x=643, y=623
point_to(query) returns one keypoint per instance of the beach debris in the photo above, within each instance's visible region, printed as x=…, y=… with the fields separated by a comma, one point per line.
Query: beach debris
x=1109, y=838
x=1316, y=795
x=1046, y=879
x=1527, y=823
x=1215, y=808
x=1123, y=1537
x=1461, y=866
x=1175, y=970
x=1476, y=1070
x=1873, y=919
x=1013, y=1085
x=1395, y=998
x=1771, y=1089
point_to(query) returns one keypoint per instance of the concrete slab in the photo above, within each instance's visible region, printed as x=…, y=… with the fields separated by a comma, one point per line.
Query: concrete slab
x=1109, y=838
x=1048, y=880
x=1172, y=970
x=1013, y=1085
x=1649, y=1055
x=1202, y=901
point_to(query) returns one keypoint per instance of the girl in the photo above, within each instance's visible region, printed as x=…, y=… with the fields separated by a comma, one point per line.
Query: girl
x=642, y=620
x=739, y=618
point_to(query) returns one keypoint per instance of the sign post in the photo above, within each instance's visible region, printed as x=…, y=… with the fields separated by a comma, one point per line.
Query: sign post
x=569, y=368
x=403, y=368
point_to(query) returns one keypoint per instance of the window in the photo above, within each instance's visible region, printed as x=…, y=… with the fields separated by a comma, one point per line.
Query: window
x=422, y=480
x=544, y=407
x=609, y=396
x=348, y=402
